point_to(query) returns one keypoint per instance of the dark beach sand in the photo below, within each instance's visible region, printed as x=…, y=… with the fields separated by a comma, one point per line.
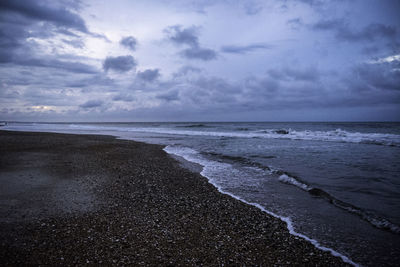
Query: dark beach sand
x=75, y=199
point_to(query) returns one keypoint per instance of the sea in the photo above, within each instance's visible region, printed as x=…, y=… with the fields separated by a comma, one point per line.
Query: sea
x=337, y=185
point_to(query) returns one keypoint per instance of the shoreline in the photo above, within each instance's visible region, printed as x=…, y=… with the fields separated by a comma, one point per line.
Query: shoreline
x=144, y=208
x=286, y=220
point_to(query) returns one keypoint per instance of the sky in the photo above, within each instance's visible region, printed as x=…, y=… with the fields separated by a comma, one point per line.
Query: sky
x=202, y=60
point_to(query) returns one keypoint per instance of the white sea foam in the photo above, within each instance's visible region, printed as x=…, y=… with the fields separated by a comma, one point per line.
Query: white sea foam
x=290, y=180
x=212, y=167
x=337, y=135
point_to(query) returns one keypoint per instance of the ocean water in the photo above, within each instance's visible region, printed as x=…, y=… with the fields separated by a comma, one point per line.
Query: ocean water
x=335, y=184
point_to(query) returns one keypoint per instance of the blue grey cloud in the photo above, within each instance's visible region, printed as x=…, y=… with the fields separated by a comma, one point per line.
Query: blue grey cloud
x=187, y=70
x=329, y=24
x=92, y=104
x=9, y=42
x=378, y=76
x=129, y=42
x=70, y=66
x=371, y=32
x=149, y=75
x=252, y=8
x=329, y=62
x=295, y=74
x=41, y=11
x=169, y=96
x=199, y=53
x=67, y=32
x=97, y=80
x=20, y=20
x=188, y=36
x=370, y=50
x=343, y=32
x=295, y=23
x=76, y=43
x=119, y=64
x=243, y=49
x=179, y=35
x=123, y=97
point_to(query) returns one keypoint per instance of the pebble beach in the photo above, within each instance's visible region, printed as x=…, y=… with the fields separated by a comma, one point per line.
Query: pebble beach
x=87, y=199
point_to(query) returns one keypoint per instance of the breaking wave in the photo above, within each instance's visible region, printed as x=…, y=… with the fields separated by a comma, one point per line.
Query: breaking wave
x=290, y=179
x=194, y=126
x=373, y=219
x=337, y=135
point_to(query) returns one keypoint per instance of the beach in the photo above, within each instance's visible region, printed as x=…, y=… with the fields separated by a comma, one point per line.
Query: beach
x=77, y=199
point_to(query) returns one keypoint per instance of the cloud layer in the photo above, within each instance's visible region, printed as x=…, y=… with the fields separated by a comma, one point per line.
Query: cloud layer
x=188, y=36
x=129, y=42
x=205, y=60
x=120, y=63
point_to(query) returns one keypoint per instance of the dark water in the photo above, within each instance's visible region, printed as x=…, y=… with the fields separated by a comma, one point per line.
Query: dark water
x=338, y=183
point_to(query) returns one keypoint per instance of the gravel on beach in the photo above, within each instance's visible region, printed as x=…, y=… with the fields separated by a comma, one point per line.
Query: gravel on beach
x=78, y=199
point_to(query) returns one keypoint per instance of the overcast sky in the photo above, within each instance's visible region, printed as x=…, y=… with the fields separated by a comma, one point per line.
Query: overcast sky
x=200, y=60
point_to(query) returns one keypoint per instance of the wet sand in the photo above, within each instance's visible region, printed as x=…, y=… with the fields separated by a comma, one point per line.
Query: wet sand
x=77, y=199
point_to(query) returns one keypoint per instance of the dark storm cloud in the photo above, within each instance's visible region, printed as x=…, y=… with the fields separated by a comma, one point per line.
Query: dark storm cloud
x=199, y=53
x=20, y=20
x=188, y=36
x=371, y=32
x=91, y=104
x=12, y=37
x=149, y=75
x=39, y=10
x=119, y=64
x=129, y=42
x=243, y=49
x=378, y=76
